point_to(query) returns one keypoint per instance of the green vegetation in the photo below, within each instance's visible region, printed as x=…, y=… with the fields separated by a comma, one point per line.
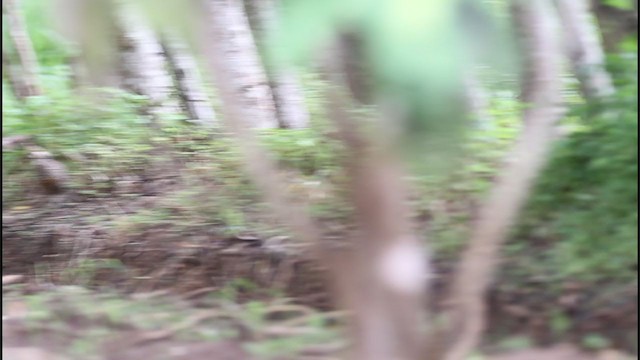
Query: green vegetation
x=588, y=214
x=88, y=320
x=580, y=224
x=586, y=203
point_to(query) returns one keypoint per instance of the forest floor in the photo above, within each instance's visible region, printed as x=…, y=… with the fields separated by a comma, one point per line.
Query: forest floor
x=78, y=286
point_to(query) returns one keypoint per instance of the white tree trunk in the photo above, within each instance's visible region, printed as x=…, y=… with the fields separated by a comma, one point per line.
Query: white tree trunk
x=542, y=92
x=189, y=82
x=16, y=27
x=287, y=91
x=289, y=99
x=232, y=39
x=583, y=46
x=144, y=70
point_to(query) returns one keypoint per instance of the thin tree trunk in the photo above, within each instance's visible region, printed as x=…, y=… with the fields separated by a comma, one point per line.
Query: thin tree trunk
x=143, y=67
x=16, y=27
x=583, y=46
x=287, y=91
x=9, y=72
x=541, y=90
x=238, y=114
x=389, y=270
x=188, y=82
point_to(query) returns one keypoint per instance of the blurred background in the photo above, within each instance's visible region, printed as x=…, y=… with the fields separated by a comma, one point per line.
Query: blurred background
x=280, y=179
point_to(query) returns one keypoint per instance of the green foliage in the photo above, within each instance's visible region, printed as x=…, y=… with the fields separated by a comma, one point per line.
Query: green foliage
x=559, y=323
x=412, y=51
x=515, y=343
x=111, y=122
x=450, y=190
x=109, y=134
x=587, y=198
x=233, y=288
x=50, y=47
x=304, y=150
x=84, y=271
x=620, y=4
x=595, y=342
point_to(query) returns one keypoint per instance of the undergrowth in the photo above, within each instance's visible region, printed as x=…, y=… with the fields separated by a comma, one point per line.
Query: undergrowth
x=585, y=207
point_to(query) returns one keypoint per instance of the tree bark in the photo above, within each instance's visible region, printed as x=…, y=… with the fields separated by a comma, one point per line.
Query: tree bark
x=289, y=100
x=188, y=82
x=234, y=42
x=16, y=27
x=287, y=91
x=541, y=88
x=143, y=67
x=583, y=47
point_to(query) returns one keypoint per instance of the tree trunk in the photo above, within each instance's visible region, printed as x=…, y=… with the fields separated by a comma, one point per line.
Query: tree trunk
x=583, y=46
x=16, y=27
x=542, y=91
x=143, y=67
x=231, y=34
x=289, y=100
x=15, y=81
x=188, y=82
x=388, y=273
x=287, y=91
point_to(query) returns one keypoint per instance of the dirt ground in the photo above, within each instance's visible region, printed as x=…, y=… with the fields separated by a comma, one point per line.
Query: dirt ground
x=53, y=244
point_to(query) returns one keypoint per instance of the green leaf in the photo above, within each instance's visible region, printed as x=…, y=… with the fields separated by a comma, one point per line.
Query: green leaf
x=620, y=4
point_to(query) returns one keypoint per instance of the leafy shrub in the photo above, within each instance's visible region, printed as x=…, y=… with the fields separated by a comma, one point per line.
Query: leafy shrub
x=588, y=195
